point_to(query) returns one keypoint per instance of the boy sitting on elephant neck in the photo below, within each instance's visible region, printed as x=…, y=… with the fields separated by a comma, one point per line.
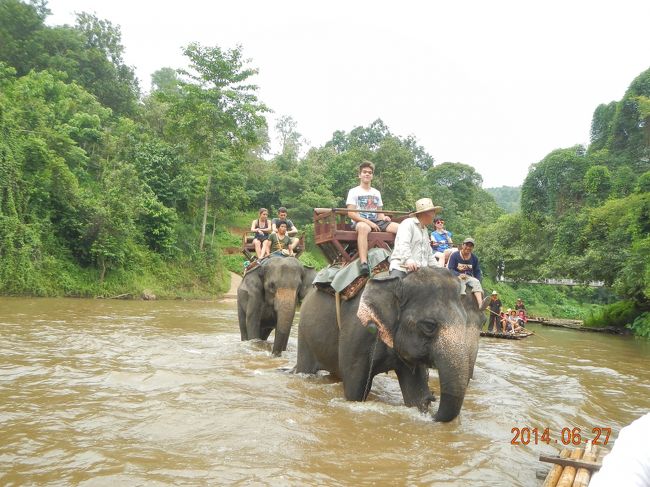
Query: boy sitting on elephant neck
x=281, y=241
x=412, y=249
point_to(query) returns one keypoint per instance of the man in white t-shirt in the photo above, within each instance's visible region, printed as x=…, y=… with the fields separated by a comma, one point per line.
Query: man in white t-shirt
x=364, y=197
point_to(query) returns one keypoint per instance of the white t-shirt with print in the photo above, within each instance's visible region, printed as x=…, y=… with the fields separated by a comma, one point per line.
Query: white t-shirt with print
x=365, y=200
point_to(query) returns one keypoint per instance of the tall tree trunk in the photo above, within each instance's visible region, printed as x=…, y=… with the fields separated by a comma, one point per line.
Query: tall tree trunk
x=214, y=227
x=205, y=212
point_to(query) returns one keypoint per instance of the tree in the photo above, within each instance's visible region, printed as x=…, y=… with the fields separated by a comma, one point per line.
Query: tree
x=165, y=80
x=216, y=114
x=555, y=184
x=601, y=125
x=597, y=184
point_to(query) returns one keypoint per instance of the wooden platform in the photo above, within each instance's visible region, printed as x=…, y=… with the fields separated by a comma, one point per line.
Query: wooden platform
x=573, y=468
x=336, y=237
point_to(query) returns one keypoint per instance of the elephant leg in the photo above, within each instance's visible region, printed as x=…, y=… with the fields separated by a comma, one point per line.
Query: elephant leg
x=241, y=314
x=265, y=332
x=357, y=379
x=306, y=362
x=415, y=387
x=253, y=318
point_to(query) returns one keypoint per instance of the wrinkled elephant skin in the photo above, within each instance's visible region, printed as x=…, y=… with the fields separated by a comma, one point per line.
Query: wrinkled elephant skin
x=407, y=325
x=267, y=298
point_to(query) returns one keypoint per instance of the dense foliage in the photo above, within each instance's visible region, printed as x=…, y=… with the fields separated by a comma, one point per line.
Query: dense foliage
x=105, y=191
x=585, y=212
x=507, y=197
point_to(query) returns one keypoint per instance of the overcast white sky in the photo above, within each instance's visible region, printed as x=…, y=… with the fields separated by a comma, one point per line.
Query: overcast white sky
x=494, y=84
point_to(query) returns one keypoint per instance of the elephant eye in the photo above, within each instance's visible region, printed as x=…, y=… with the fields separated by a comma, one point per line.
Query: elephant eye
x=428, y=328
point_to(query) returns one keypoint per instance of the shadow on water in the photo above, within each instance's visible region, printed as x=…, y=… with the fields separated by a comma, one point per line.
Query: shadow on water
x=164, y=393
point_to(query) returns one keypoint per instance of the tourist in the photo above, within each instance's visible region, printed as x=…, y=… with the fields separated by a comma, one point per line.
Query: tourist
x=521, y=318
x=441, y=242
x=465, y=265
x=412, y=249
x=292, y=230
x=262, y=229
x=513, y=321
x=365, y=197
x=281, y=242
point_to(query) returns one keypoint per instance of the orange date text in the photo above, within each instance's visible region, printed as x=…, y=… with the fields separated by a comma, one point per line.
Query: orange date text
x=567, y=436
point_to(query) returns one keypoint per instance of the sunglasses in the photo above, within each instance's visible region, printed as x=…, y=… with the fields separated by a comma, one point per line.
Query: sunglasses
x=440, y=221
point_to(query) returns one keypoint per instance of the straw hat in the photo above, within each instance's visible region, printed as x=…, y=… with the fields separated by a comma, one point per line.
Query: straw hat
x=425, y=204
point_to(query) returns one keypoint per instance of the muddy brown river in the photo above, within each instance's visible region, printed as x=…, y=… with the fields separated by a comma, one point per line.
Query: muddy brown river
x=106, y=393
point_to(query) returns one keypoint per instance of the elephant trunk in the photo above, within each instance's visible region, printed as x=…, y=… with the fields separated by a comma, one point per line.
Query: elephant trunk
x=453, y=356
x=285, y=309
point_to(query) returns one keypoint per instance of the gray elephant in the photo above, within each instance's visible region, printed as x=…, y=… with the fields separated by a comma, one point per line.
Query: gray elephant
x=406, y=325
x=267, y=298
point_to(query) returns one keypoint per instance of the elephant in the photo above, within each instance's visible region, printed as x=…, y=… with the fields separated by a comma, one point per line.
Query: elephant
x=267, y=298
x=403, y=324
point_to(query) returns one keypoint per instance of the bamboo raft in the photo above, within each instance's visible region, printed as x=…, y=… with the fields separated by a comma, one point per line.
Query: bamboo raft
x=507, y=336
x=573, y=468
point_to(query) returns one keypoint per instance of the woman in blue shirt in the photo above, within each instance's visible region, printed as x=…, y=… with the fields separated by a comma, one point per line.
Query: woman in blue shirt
x=441, y=242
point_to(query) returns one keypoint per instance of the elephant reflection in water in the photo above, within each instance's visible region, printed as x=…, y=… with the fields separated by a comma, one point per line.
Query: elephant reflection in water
x=406, y=325
x=267, y=298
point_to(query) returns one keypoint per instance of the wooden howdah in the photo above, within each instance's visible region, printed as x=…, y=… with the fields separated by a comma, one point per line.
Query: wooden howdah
x=334, y=234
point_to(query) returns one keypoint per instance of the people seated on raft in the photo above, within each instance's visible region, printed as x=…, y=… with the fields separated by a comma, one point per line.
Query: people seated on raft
x=512, y=322
x=465, y=265
x=262, y=229
x=292, y=230
x=365, y=197
x=441, y=242
x=521, y=318
x=503, y=320
x=281, y=242
x=412, y=249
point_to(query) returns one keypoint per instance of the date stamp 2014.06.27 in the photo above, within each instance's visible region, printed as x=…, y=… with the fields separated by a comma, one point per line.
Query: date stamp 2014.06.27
x=568, y=436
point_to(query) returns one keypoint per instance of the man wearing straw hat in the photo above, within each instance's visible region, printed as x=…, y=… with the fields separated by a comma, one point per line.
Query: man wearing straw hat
x=412, y=248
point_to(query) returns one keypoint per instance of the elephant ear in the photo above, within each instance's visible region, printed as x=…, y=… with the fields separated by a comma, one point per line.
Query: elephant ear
x=308, y=275
x=380, y=306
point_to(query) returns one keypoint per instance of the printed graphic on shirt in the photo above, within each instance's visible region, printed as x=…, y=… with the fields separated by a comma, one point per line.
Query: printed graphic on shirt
x=464, y=268
x=368, y=202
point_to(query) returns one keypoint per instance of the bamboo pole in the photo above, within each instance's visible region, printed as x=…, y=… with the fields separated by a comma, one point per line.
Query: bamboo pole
x=556, y=471
x=583, y=475
x=569, y=473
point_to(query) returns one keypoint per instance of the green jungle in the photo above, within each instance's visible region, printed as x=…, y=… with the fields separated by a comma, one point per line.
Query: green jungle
x=106, y=191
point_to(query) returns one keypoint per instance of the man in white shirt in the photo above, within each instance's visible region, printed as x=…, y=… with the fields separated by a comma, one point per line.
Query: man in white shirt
x=364, y=197
x=412, y=246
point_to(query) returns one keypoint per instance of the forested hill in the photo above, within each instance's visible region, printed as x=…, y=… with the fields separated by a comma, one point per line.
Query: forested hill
x=585, y=212
x=103, y=191
x=507, y=197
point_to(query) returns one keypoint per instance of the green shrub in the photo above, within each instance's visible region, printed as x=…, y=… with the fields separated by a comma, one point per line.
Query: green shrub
x=641, y=325
x=619, y=314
